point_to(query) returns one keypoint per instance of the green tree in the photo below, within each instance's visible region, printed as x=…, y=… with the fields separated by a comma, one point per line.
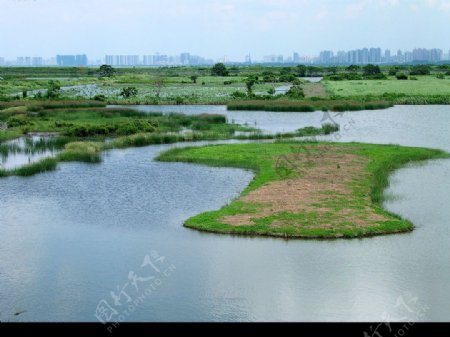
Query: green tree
x=301, y=70
x=352, y=68
x=106, y=71
x=333, y=70
x=194, y=78
x=393, y=71
x=295, y=92
x=129, y=92
x=421, y=69
x=53, y=89
x=219, y=69
x=371, y=69
x=285, y=71
x=249, y=83
x=401, y=76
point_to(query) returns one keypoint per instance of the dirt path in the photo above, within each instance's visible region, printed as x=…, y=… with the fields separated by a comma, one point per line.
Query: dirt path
x=315, y=90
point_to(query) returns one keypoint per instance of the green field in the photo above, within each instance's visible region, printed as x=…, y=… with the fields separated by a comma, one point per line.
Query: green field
x=306, y=190
x=423, y=86
x=197, y=85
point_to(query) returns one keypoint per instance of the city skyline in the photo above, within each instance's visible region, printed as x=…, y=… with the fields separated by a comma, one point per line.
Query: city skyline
x=365, y=55
x=219, y=28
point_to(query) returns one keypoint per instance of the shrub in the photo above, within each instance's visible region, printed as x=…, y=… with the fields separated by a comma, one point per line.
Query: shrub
x=295, y=91
x=393, y=71
x=440, y=76
x=100, y=98
x=179, y=100
x=344, y=77
x=138, y=125
x=16, y=121
x=287, y=78
x=420, y=70
x=378, y=76
x=238, y=94
x=219, y=69
x=90, y=130
x=371, y=70
x=401, y=76
x=328, y=128
x=129, y=92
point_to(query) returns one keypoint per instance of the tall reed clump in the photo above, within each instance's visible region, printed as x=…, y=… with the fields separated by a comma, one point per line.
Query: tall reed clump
x=44, y=165
x=88, y=152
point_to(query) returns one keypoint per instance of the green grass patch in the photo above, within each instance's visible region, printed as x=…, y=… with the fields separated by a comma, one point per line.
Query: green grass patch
x=424, y=86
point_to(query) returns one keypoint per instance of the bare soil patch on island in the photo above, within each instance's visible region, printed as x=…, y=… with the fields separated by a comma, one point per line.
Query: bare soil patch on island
x=322, y=181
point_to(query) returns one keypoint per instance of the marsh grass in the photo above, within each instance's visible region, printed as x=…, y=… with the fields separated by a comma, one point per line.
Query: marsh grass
x=308, y=105
x=44, y=165
x=88, y=152
x=85, y=128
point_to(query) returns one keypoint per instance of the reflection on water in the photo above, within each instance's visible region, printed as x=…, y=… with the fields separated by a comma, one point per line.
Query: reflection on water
x=312, y=79
x=27, y=150
x=72, y=236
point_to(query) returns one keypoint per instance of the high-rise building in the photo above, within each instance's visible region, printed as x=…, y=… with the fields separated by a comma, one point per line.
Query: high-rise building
x=387, y=56
x=408, y=57
x=185, y=59
x=147, y=60
x=435, y=55
x=296, y=57
x=342, y=57
x=326, y=56
x=122, y=60
x=2, y=61
x=72, y=60
x=270, y=59
x=374, y=55
x=37, y=62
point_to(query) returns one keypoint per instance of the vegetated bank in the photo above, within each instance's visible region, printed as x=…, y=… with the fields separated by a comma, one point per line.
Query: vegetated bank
x=306, y=189
x=84, y=126
x=309, y=105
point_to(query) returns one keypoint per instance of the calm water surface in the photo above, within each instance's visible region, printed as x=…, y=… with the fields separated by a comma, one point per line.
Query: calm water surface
x=70, y=237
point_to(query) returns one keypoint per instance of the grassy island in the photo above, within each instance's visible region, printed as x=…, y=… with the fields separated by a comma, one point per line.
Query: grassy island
x=306, y=189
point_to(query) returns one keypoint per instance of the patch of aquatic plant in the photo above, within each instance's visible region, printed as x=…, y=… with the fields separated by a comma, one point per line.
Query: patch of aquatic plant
x=44, y=165
x=308, y=105
x=89, y=152
x=308, y=131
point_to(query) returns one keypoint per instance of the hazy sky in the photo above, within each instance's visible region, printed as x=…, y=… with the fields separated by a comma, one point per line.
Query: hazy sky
x=214, y=28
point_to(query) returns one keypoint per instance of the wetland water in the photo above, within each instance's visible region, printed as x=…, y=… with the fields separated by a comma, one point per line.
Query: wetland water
x=70, y=237
x=26, y=150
